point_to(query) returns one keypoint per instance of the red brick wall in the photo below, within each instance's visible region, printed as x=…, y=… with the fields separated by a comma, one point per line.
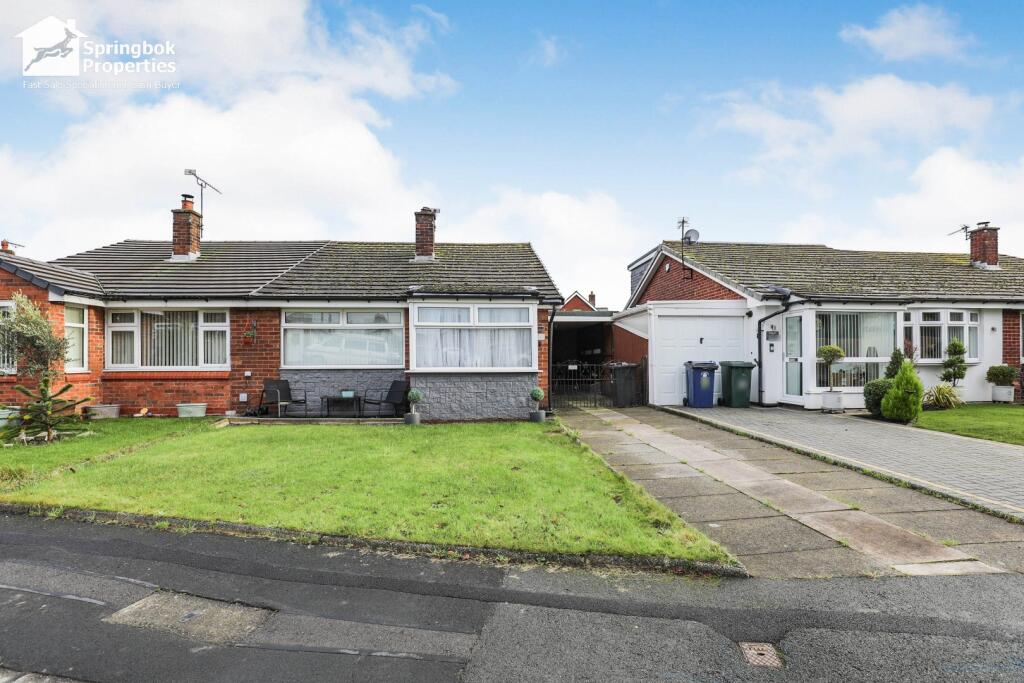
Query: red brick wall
x=543, y=347
x=681, y=284
x=626, y=346
x=576, y=304
x=260, y=355
x=985, y=246
x=161, y=392
x=1011, y=341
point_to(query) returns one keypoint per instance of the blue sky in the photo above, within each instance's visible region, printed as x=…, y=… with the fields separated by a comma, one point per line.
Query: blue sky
x=585, y=128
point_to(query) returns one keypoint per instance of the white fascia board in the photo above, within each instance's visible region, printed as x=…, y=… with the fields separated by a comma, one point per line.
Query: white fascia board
x=248, y=303
x=75, y=299
x=633, y=331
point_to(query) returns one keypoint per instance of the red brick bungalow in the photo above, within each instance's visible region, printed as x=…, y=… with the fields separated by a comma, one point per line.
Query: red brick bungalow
x=153, y=324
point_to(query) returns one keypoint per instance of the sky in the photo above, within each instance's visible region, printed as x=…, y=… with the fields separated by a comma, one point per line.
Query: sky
x=587, y=129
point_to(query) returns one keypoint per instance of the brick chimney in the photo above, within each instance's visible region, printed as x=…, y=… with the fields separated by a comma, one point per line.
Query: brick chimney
x=187, y=231
x=425, y=224
x=592, y=299
x=984, y=246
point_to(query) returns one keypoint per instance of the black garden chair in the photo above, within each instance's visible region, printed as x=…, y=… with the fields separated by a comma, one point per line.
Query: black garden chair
x=394, y=399
x=279, y=392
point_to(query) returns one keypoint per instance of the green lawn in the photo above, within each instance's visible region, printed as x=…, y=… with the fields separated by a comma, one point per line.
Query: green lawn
x=996, y=422
x=106, y=438
x=515, y=485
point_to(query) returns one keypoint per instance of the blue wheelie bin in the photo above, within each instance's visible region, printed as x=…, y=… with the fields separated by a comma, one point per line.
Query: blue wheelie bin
x=700, y=383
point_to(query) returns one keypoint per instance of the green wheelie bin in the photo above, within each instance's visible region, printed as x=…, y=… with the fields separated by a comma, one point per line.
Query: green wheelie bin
x=736, y=383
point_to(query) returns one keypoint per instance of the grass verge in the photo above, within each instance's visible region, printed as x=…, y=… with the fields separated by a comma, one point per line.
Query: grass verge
x=516, y=486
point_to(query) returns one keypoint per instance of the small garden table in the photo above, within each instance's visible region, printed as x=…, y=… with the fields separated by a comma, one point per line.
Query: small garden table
x=345, y=401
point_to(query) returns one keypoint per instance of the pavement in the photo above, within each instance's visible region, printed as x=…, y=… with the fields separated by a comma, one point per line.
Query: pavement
x=787, y=515
x=89, y=602
x=985, y=473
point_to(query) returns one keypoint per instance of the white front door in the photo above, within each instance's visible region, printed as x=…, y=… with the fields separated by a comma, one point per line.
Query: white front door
x=793, y=361
x=679, y=338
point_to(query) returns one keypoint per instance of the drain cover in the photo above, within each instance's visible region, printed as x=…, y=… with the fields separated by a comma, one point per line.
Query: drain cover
x=761, y=654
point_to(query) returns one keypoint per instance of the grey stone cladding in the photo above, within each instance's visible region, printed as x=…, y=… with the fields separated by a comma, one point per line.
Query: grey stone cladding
x=475, y=396
x=319, y=383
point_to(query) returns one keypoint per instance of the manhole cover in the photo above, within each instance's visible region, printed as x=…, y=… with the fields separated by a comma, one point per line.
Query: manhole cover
x=761, y=654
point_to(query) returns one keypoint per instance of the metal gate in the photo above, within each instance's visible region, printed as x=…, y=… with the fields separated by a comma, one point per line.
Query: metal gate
x=598, y=385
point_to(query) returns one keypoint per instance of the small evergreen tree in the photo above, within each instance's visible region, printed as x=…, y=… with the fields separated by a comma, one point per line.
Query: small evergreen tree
x=895, y=363
x=902, y=403
x=31, y=338
x=830, y=354
x=954, y=368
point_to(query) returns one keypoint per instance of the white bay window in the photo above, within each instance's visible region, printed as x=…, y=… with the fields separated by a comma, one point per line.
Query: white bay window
x=930, y=332
x=484, y=337
x=167, y=339
x=867, y=338
x=343, y=339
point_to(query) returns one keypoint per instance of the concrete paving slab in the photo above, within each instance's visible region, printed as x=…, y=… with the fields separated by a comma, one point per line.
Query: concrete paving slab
x=634, y=448
x=947, y=568
x=654, y=458
x=757, y=451
x=645, y=472
x=765, y=535
x=309, y=631
x=692, y=453
x=883, y=541
x=1008, y=555
x=814, y=564
x=890, y=498
x=732, y=472
x=788, y=497
x=718, y=507
x=193, y=617
x=794, y=465
x=830, y=481
x=962, y=526
x=686, y=486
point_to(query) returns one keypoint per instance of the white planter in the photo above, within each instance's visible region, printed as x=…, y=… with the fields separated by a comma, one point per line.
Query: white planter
x=191, y=410
x=831, y=401
x=1002, y=394
x=103, y=411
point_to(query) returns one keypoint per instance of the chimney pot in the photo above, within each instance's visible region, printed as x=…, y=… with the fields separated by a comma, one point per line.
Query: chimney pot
x=186, y=230
x=425, y=225
x=984, y=246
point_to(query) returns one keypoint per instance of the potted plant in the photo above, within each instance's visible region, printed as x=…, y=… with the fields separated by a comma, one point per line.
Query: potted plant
x=191, y=410
x=537, y=395
x=1002, y=377
x=249, y=337
x=412, y=417
x=831, y=400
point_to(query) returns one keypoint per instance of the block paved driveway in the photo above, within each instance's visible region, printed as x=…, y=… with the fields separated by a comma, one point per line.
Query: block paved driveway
x=786, y=515
x=984, y=473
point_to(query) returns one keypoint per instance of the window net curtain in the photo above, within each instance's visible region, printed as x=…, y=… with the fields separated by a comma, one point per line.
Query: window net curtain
x=169, y=339
x=473, y=348
x=311, y=347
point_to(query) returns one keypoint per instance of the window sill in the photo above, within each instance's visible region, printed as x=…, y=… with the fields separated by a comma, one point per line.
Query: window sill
x=77, y=371
x=163, y=375
x=448, y=371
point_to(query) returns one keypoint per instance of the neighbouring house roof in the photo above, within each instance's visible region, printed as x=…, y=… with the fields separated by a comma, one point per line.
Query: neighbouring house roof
x=58, y=279
x=817, y=271
x=296, y=270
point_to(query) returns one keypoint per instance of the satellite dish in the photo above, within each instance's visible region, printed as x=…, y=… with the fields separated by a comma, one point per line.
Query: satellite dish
x=691, y=236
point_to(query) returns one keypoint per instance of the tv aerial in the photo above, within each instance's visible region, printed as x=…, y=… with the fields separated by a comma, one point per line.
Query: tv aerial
x=203, y=184
x=690, y=236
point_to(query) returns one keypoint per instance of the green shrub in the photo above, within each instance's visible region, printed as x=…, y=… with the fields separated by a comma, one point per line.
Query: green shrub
x=829, y=354
x=902, y=403
x=537, y=394
x=942, y=397
x=413, y=397
x=895, y=363
x=1001, y=375
x=874, y=392
x=954, y=368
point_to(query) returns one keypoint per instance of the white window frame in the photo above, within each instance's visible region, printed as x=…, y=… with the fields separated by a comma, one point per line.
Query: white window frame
x=474, y=323
x=882, y=360
x=945, y=323
x=136, y=328
x=8, y=305
x=342, y=325
x=84, y=326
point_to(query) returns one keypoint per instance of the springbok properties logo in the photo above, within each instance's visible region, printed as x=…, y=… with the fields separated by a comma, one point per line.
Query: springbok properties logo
x=56, y=48
x=51, y=48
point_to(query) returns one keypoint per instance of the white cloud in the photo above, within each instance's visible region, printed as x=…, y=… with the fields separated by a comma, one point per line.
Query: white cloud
x=548, y=51
x=585, y=241
x=907, y=33
x=803, y=133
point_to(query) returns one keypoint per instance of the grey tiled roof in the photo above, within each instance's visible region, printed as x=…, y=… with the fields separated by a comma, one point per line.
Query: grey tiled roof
x=814, y=270
x=52, y=276
x=313, y=270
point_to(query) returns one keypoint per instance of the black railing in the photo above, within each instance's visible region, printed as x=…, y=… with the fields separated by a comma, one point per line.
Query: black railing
x=598, y=385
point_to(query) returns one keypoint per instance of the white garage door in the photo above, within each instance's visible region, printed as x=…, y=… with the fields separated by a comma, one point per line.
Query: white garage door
x=678, y=339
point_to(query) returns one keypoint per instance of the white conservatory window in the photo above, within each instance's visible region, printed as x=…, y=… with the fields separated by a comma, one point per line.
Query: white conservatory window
x=486, y=337
x=343, y=339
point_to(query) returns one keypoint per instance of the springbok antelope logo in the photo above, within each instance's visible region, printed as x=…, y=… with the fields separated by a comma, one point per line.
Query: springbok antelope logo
x=50, y=48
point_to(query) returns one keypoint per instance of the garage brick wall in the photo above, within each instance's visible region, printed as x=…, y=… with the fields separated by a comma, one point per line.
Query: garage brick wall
x=681, y=284
x=626, y=346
